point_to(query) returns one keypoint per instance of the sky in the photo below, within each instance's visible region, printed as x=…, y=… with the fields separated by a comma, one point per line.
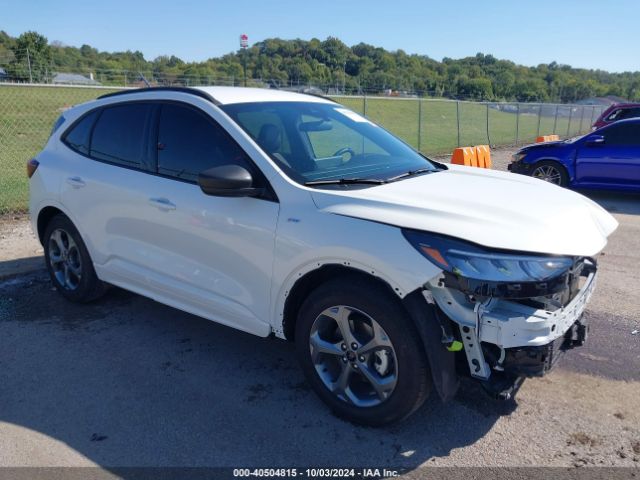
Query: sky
x=587, y=33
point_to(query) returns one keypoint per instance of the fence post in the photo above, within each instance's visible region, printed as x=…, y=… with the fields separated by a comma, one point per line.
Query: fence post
x=581, y=119
x=419, y=121
x=517, y=122
x=570, y=116
x=488, y=136
x=539, y=116
x=29, y=64
x=364, y=104
x=458, y=119
x=555, y=120
x=593, y=111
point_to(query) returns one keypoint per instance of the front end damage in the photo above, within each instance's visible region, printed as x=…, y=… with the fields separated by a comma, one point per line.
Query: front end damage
x=501, y=332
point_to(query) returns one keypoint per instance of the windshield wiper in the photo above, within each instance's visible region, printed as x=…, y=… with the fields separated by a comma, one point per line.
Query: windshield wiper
x=346, y=181
x=410, y=173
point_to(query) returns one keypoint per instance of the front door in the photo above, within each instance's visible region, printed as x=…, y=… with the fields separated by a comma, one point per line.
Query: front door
x=615, y=162
x=215, y=254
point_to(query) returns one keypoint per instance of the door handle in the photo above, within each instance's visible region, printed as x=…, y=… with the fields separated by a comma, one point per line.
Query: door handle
x=76, y=182
x=162, y=204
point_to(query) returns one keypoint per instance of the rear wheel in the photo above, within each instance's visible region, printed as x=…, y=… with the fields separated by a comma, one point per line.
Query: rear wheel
x=551, y=172
x=68, y=262
x=361, y=353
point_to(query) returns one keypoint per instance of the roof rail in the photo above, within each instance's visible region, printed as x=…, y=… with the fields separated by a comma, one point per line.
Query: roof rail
x=192, y=91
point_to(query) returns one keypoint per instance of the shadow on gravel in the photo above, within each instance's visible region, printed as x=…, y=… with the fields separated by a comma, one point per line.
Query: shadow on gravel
x=19, y=266
x=627, y=203
x=129, y=382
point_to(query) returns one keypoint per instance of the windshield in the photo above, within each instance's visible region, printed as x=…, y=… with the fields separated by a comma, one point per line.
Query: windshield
x=316, y=142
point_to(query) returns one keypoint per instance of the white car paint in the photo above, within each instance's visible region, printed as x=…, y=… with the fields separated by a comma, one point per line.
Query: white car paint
x=487, y=207
x=234, y=260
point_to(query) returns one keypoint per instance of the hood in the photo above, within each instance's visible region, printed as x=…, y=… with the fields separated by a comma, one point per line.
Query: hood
x=487, y=207
x=533, y=146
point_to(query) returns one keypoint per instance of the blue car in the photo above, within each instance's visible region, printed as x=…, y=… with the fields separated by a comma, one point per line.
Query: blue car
x=608, y=158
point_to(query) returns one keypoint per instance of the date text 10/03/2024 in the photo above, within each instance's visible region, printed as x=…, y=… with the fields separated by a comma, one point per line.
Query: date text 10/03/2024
x=317, y=472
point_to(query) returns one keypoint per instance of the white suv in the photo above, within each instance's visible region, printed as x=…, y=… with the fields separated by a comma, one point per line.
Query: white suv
x=290, y=215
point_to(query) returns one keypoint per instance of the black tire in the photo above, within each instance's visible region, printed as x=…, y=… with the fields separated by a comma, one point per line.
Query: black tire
x=86, y=286
x=413, y=377
x=550, y=165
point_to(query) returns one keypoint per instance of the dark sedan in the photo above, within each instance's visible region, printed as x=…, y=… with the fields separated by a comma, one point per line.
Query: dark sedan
x=608, y=158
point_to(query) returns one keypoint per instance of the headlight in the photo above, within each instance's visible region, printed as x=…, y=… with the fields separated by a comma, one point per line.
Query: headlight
x=470, y=261
x=518, y=156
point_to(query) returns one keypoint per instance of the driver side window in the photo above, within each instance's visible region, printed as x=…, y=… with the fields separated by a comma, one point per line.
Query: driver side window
x=623, y=135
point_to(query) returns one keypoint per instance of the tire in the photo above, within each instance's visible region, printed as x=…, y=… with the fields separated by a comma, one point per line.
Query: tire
x=550, y=171
x=68, y=262
x=398, y=365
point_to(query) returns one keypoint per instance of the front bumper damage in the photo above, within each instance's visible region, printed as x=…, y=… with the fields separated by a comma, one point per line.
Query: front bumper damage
x=510, y=332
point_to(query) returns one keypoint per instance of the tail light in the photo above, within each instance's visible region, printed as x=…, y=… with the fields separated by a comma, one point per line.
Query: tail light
x=32, y=166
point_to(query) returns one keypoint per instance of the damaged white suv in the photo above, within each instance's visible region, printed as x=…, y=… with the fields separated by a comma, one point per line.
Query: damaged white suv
x=289, y=215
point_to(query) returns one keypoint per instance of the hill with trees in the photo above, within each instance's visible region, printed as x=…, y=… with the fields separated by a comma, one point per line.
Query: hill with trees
x=328, y=64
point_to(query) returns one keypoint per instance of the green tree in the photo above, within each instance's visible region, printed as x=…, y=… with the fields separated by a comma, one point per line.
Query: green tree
x=32, y=57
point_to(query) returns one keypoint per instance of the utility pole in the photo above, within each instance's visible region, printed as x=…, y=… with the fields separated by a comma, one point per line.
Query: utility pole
x=344, y=77
x=244, y=43
x=29, y=64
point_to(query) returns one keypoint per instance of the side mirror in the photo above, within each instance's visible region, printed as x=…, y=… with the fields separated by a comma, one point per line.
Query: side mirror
x=594, y=140
x=228, y=181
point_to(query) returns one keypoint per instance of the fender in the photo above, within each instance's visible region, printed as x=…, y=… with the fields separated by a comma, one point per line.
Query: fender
x=290, y=281
x=55, y=204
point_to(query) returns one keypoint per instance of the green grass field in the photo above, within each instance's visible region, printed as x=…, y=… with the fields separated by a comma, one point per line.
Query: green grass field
x=27, y=114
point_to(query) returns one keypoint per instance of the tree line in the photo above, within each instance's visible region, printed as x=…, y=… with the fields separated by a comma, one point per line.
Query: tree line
x=328, y=64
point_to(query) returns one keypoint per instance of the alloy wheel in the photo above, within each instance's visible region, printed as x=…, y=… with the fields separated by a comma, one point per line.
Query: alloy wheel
x=548, y=173
x=353, y=356
x=65, y=259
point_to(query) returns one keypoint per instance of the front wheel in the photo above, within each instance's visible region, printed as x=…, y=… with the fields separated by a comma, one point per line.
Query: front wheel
x=361, y=352
x=551, y=172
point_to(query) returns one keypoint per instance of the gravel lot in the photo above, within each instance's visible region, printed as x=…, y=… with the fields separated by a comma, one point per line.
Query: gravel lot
x=129, y=382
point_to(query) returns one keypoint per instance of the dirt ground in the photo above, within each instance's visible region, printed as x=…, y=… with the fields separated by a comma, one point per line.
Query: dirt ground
x=126, y=381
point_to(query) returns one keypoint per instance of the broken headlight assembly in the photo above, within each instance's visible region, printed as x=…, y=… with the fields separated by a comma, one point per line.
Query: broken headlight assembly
x=492, y=273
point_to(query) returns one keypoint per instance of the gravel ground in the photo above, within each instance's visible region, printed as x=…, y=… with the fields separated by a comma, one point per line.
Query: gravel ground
x=126, y=381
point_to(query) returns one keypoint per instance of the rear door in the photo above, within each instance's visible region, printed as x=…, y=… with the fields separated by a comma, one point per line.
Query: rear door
x=616, y=162
x=105, y=185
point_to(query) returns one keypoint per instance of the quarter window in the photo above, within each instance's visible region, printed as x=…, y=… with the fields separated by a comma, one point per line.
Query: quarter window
x=78, y=138
x=119, y=134
x=189, y=142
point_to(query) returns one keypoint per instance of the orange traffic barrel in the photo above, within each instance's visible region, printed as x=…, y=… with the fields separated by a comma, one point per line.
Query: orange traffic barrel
x=483, y=154
x=465, y=156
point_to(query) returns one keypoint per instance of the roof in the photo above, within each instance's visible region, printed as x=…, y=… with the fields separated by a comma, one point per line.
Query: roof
x=73, y=78
x=228, y=95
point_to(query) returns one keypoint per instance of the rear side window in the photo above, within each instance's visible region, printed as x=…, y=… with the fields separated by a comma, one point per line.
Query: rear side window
x=189, y=142
x=119, y=134
x=78, y=137
x=629, y=113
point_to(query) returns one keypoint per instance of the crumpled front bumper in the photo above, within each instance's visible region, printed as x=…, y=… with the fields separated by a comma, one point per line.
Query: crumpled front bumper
x=511, y=336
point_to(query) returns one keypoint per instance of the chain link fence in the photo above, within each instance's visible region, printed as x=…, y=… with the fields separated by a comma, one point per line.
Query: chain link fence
x=27, y=113
x=437, y=126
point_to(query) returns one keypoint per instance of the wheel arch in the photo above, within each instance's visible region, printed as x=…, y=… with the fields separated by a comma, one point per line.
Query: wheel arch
x=560, y=163
x=306, y=281
x=44, y=217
